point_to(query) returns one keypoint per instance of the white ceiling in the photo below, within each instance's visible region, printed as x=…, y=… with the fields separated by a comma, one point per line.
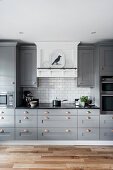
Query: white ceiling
x=56, y=20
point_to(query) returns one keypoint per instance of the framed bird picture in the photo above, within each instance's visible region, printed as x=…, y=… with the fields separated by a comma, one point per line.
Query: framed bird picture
x=57, y=59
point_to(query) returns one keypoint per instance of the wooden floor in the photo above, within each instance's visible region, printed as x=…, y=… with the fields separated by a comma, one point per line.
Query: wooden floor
x=56, y=157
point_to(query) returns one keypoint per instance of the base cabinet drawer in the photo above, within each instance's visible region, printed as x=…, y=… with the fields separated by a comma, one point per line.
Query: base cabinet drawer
x=6, y=112
x=88, y=121
x=26, y=112
x=26, y=121
x=88, y=112
x=57, y=133
x=57, y=121
x=6, y=134
x=106, y=133
x=106, y=121
x=57, y=112
x=88, y=133
x=6, y=121
x=26, y=133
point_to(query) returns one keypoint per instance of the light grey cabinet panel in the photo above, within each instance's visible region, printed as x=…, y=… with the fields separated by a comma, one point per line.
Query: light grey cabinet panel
x=106, y=60
x=26, y=133
x=86, y=67
x=6, y=112
x=6, y=121
x=57, y=121
x=26, y=112
x=26, y=121
x=88, y=121
x=88, y=112
x=57, y=112
x=57, y=133
x=6, y=134
x=28, y=65
x=106, y=133
x=7, y=65
x=106, y=121
x=88, y=133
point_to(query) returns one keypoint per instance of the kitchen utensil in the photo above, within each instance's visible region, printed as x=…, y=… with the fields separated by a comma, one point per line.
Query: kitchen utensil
x=57, y=102
x=33, y=103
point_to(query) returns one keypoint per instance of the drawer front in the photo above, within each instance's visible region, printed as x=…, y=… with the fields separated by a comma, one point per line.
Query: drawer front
x=26, y=112
x=106, y=133
x=88, y=121
x=6, y=121
x=57, y=121
x=6, y=134
x=57, y=133
x=26, y=133
x=88, y=133
x=26, y=121
x=6, y=112
x=106, y=121
x=88, y=112
x=58, y=112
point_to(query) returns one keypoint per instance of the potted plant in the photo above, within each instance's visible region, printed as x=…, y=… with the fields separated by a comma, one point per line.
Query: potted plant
x=83, y=100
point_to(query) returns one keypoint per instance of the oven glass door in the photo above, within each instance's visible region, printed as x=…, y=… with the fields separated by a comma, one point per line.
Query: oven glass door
x=3, y=100
x=107, y=87
x=107, y=103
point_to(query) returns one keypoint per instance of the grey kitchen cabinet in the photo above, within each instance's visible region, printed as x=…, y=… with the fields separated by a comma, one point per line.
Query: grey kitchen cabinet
x=6, y=134
x=106, y=134
x=7, y=64
x=26, y=121
x=106, y=121
x=28, y=66
x=26, y=133
x=88, y=112
x=57, y=133
x=88, y=133
x=106, y=60
x=85, y=66
x=26, y=112
x=88, y=121
x=57, y=121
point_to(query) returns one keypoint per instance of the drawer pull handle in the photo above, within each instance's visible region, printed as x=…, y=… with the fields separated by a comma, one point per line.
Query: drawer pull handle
x=46, y=112
x=46, y=130
x=2, y=112
x=26, y=130
x=88, y=130
x=88, y=112
x=88, y=117
x=26, y=117
x=112, y=130
x=1, y=117
x=67, y=130
x=25, y=112
x=112, y=117
x=46, y=117
x=68, y=117
x=1, y=131
x=68, y=112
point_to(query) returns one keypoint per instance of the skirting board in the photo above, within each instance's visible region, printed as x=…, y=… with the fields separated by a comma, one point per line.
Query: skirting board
x=43, y=142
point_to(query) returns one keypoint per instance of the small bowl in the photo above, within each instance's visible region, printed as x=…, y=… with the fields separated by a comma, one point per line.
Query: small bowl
x=33, y=104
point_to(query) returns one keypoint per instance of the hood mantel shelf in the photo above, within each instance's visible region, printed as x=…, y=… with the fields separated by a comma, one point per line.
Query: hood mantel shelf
x=57, y=59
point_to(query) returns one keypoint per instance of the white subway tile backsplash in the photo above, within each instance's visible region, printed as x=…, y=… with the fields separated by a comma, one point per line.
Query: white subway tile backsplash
x=62, y=88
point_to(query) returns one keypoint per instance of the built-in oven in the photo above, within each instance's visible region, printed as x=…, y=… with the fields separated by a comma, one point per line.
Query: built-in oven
x=106, y=95
x=7, y=99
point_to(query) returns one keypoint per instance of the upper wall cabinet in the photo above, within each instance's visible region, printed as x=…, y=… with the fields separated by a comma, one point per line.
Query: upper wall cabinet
x=106, y=60
x=7, y=65
x=86, y=66
x=28, y=66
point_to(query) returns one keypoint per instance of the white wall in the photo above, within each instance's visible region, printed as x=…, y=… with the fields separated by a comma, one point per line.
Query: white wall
x=63, y=88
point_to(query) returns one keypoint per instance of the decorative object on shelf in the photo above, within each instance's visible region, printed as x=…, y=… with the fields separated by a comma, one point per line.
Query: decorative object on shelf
x=57, y=59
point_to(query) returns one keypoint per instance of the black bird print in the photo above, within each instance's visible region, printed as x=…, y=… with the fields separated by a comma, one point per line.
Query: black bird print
x=57, y=60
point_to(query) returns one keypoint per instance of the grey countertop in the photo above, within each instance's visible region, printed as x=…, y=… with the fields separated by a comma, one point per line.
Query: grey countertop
x=63, y=106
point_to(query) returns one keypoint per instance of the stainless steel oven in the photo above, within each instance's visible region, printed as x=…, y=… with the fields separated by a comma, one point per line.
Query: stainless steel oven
x=106, y=95
x=7, y=99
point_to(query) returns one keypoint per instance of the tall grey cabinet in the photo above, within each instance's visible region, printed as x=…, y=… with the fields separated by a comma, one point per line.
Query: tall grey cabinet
x=106, y=60
x=7, y=63
x=86, y=66
x=28, y=66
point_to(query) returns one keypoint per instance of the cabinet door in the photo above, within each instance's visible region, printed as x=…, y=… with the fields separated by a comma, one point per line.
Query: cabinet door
x=7, y=65
x=28, y=67
x=85, y=67
x=106, y=61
